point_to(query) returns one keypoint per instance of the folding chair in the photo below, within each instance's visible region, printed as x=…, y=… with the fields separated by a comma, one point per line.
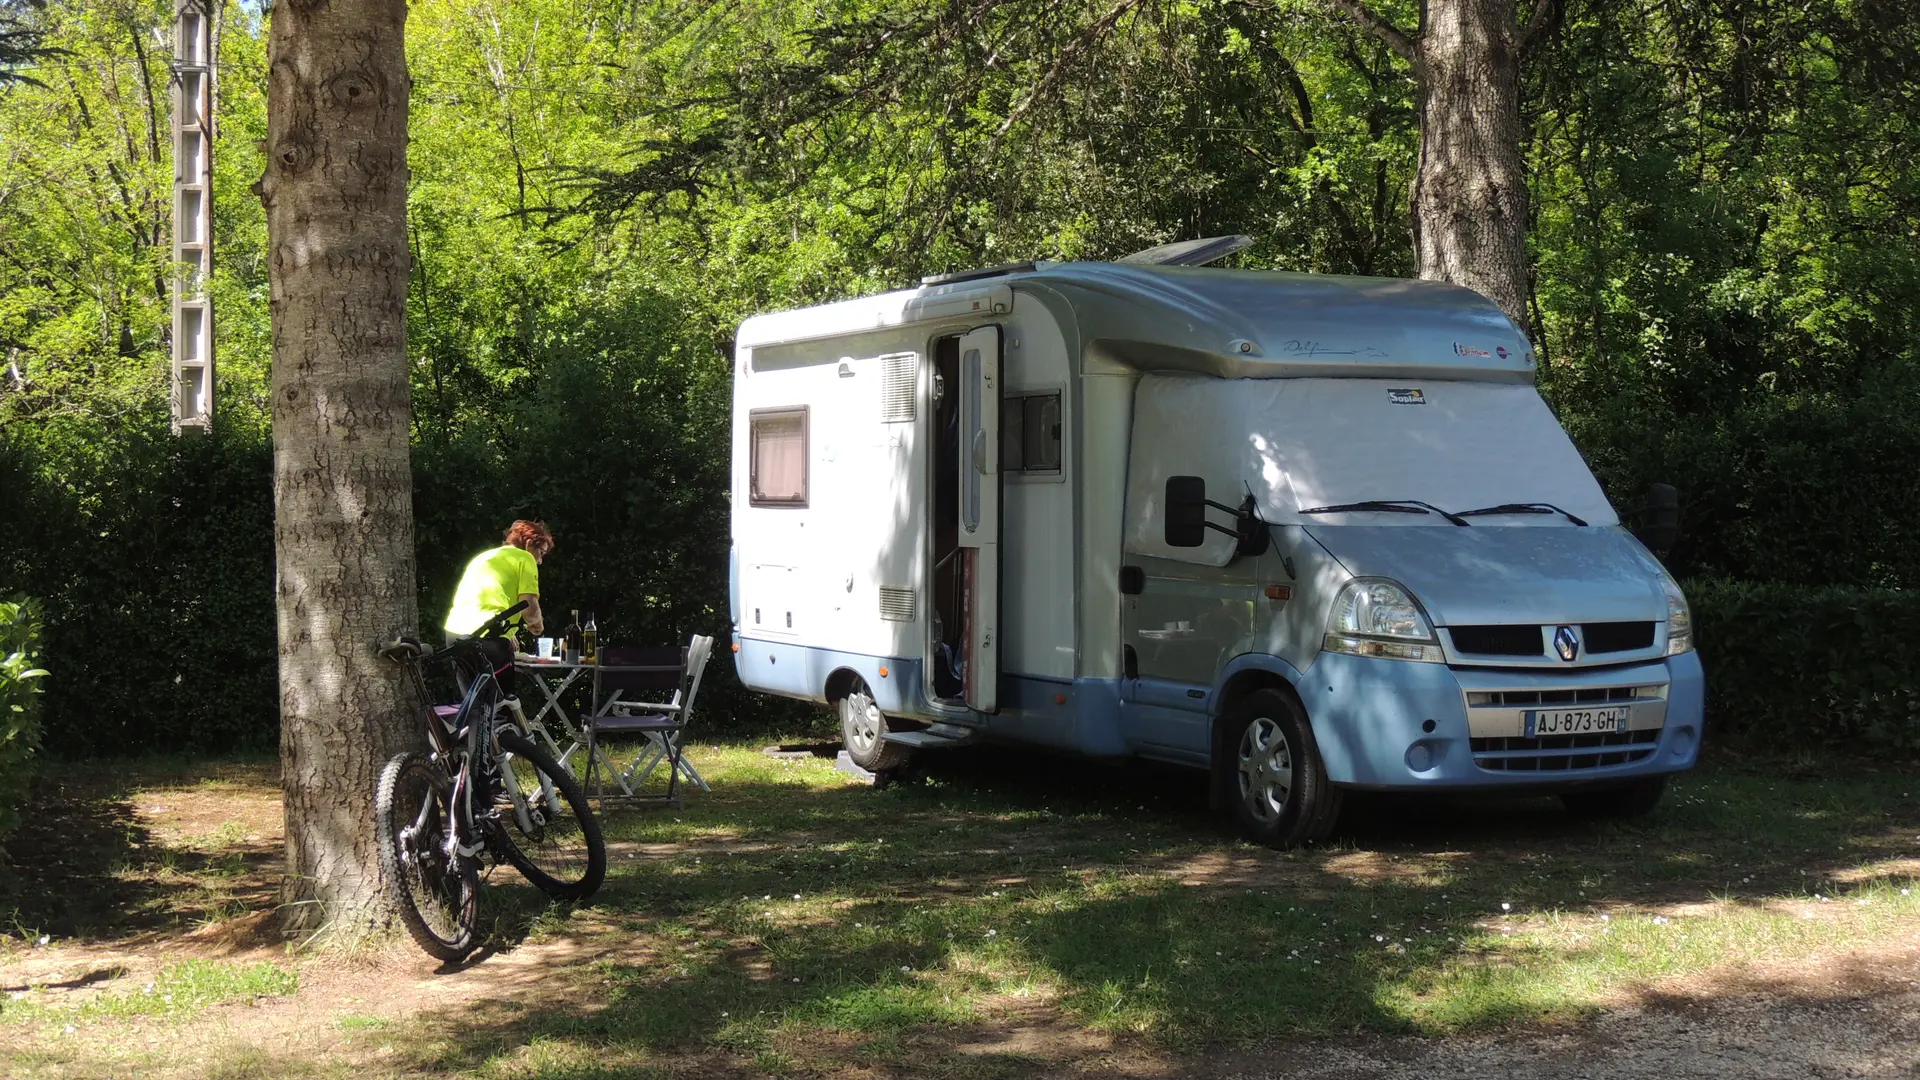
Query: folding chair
x=649, y=669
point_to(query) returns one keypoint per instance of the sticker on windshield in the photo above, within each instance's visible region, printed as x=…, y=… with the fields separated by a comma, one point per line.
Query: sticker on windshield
x=1406, y=396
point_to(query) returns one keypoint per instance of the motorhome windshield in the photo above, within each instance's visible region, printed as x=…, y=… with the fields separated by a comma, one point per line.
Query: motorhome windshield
x=1309, y=444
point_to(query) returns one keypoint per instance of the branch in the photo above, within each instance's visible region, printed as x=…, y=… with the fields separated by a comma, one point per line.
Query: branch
x=1397, y=39
x=1088, y=37
x=1546, y=18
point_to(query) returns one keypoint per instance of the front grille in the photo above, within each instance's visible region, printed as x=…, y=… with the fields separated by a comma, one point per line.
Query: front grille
x=1498, y=640
x=1604, y=637
x=1589, y=696
x=1564, y=753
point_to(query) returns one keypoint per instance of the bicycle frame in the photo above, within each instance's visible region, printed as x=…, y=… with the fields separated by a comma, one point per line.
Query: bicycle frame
x=474, y=725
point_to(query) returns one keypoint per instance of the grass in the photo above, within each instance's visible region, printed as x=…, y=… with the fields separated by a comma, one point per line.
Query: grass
x=793, y=922
x=179, y=990
x=790, y=909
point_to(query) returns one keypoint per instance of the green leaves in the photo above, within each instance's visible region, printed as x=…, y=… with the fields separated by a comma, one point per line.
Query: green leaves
x=20, y=685
x=1791, y=666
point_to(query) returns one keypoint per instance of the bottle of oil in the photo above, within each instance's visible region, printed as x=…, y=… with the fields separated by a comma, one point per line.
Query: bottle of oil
x=589, y=641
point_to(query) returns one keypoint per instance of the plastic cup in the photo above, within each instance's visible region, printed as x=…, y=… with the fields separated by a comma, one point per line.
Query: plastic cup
x=546, y=648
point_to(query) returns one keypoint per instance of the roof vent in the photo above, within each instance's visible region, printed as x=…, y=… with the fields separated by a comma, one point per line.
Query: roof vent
x=984, y=272
x=1190, y=252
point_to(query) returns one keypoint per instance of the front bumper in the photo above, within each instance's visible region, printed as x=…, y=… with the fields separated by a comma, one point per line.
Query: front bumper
x=1393, y=724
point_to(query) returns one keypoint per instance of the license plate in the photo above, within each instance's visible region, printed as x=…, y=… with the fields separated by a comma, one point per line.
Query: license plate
x=1599, y=721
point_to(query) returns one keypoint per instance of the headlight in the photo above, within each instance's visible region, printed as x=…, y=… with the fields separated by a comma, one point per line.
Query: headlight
x=1375, y=617
x=1679, y=618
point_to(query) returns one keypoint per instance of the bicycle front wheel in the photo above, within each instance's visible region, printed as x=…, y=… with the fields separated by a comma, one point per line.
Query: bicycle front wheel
x=546, y=828
x=438, y=897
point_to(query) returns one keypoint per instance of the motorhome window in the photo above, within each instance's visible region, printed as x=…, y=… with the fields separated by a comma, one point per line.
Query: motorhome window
x=779, y=463
x=1030, y=433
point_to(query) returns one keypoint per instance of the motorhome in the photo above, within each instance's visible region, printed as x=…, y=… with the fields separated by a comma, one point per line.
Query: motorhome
x=1310, y=533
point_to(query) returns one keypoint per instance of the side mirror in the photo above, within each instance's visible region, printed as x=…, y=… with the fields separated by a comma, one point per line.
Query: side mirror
x=1186, y=511
x=1660, y=518
x=1187, y=522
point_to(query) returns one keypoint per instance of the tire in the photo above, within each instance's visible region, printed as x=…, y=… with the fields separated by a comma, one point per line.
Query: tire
x=1631, y=800
x=863, y=730
x=438, y=905
x=1273, y=776
x=560, y=848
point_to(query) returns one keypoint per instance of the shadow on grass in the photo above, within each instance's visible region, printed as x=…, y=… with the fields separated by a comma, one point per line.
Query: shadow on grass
x=84, y=863
x=782, y=924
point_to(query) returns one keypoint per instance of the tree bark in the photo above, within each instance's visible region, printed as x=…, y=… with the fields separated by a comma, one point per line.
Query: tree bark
x=335, y=192
x=1469, y=194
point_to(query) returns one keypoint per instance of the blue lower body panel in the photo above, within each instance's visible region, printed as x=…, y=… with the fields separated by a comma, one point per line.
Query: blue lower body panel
x=1370, y=717
x=802, y=671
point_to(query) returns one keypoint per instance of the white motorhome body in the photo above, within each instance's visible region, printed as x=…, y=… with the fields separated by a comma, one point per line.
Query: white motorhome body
x=951, y=508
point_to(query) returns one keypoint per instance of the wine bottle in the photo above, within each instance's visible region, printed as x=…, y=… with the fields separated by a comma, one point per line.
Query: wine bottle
x=573, y=634
x=590, y=641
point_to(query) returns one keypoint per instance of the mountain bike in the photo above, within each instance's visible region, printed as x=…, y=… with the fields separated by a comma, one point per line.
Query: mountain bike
x=483, y=793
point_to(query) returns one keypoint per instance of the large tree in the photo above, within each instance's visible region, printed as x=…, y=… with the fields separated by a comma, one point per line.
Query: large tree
x=1469, y=194
x=335, y=191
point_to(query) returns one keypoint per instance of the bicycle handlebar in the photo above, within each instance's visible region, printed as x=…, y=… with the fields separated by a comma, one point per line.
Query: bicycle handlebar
x=404, y=648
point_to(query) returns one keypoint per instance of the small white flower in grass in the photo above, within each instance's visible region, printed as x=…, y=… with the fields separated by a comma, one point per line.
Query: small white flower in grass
x=769, y=896
x=43, y=940
x=1660, y=920
x=69, y=1029
x=1606, y=918
x=1904, y=892
x=796, y=896
x=993, y=933
x=796, y=978
x=1504, y=906
x=723, y=1013
x=1377, y=937
x=904, y=968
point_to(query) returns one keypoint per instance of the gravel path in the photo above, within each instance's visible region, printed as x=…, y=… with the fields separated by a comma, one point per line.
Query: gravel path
x=1752, y=1038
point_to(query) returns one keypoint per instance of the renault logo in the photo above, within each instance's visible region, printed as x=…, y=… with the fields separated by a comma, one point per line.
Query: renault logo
x=1566, y=644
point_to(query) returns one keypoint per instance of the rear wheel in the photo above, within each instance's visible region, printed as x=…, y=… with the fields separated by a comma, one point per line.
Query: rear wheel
x=1278, y=786
x=438, y=896
x=1636, y=799
x=557, y=845
x=863, y=731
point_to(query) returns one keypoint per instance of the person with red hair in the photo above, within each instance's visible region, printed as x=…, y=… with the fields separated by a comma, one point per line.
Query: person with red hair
x=497, y=578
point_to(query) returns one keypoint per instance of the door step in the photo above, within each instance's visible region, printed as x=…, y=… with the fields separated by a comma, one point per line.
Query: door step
x=937, y=737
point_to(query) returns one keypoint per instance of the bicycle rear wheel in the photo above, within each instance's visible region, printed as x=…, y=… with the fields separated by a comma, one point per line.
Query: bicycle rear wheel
x=439, y=903
x=546, y=827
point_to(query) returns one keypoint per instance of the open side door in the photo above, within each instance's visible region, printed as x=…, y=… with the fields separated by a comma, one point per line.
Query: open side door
x=979, y=534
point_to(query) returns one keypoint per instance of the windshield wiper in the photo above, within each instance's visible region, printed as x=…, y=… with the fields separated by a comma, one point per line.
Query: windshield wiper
x=1390, y=506
x=1524, y=508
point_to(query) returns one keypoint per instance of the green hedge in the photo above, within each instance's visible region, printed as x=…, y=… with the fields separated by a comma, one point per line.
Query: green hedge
x=20, y=679
x=1789, y=666
x=153, y=554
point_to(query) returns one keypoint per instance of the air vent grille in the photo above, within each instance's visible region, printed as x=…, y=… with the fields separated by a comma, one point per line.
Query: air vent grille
x=1520, y=640
x=896, y=604
x=1608, y=637
x=901, y=375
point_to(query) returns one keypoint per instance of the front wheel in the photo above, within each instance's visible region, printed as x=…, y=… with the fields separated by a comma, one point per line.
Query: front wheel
x=437, y=893
x=1278, y=785
x=546, y=828
x=863, y=731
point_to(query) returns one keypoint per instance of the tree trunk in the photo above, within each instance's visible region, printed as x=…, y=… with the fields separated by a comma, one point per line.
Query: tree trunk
x=335, y=192
x=1469, y=194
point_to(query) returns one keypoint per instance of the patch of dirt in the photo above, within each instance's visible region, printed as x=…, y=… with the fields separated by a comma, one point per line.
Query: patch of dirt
x=1757, y=1037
